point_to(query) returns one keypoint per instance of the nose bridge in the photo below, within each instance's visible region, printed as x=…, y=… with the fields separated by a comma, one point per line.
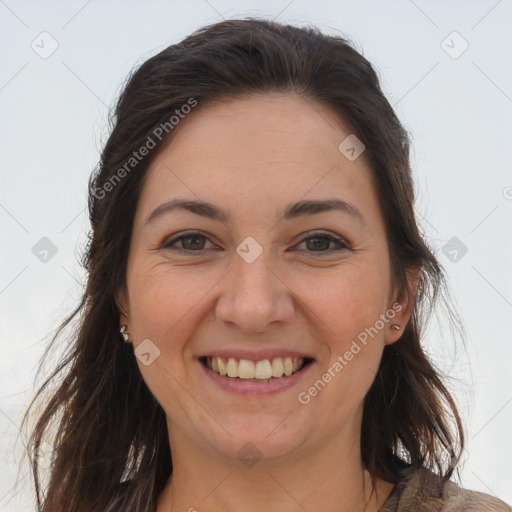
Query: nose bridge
x=253, y=296
x=254, y=278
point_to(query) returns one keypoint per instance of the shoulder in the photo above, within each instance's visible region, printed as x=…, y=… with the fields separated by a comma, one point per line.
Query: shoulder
x=471, y=501
x=424, y=491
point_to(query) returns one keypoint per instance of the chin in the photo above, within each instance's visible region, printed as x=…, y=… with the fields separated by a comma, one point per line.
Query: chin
x=263, y=438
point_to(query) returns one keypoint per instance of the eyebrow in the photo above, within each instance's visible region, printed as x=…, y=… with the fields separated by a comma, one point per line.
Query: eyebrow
x=292, y=211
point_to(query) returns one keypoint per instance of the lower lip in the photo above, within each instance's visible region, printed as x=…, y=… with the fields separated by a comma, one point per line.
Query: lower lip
x=249, y=387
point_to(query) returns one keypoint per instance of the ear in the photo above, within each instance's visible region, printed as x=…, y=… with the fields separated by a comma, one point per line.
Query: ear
x=402, y=309
x=123, y=303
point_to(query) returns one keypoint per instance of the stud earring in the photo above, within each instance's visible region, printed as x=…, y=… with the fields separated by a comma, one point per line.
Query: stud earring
x=396, y=327
x=124, y=334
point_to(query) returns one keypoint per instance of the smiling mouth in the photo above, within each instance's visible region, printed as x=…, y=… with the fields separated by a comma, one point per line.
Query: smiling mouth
x=262, y=371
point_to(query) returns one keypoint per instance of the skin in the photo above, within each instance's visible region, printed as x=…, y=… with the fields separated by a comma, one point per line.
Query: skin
x=252, y=156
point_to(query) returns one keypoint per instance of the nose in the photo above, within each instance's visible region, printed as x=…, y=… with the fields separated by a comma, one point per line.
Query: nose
x=253, y=297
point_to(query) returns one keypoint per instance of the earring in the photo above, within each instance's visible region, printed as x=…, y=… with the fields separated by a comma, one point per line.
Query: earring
x=124, y=334
x=396, y=327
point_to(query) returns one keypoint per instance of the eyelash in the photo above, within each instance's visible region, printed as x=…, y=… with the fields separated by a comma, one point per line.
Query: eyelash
x=310, y=235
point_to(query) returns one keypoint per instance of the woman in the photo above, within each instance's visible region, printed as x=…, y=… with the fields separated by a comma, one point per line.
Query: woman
x=249, y=338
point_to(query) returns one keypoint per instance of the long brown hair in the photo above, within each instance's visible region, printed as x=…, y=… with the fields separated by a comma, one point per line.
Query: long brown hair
x=101, y=419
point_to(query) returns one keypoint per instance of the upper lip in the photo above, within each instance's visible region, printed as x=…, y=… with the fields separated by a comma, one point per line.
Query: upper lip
x=255, y=355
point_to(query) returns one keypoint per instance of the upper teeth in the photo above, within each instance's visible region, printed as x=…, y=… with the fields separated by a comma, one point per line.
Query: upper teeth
x=246, y=369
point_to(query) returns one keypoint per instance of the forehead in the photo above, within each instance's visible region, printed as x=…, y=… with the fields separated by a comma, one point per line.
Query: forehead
x=258, y=152
x=263, y=128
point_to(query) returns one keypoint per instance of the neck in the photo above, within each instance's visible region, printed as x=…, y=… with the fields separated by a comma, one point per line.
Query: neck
x=323, y=478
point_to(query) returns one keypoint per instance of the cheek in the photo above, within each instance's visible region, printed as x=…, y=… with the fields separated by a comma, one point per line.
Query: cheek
x=356, y=348
x=167, y=306
x=343, y=301
x=347, y=303
x=164, y=298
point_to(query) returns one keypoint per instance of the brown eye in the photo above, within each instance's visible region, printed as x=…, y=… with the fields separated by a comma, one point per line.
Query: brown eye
x=316, y=243
x=191, y=242
x=320, y=243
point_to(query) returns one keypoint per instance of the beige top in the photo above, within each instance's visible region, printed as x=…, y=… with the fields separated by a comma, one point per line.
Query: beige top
x=424, y=491
x=418, y=491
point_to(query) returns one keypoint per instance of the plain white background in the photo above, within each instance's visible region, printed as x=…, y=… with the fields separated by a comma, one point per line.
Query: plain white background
x=456, y=104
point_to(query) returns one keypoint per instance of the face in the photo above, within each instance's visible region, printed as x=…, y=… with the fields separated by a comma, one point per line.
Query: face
x=260, y=277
